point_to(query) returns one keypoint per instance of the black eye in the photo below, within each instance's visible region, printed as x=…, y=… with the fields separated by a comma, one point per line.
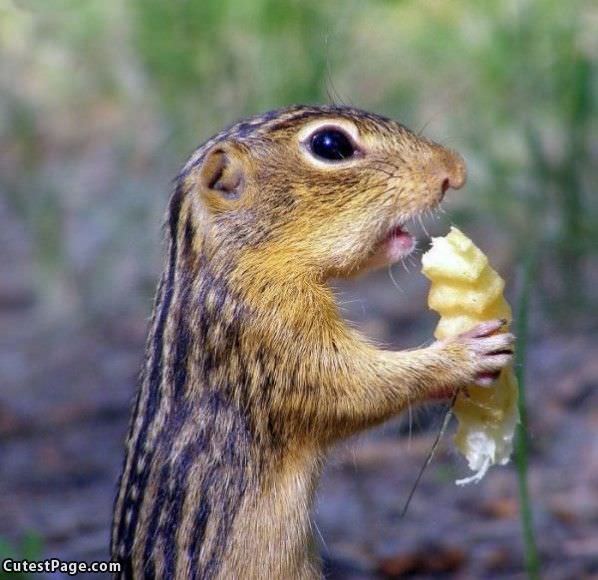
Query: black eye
x=332, y=145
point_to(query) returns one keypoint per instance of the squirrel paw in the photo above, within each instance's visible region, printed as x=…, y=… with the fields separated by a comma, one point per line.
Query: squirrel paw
x=487, y=351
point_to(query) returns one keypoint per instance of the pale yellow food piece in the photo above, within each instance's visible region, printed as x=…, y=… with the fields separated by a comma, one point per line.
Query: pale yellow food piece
x=466, y=291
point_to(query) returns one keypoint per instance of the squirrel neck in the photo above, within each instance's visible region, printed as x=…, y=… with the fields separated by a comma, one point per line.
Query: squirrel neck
x=275, y=290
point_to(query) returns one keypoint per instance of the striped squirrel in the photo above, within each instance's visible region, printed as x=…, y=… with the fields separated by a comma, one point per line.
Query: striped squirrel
x=250, y=372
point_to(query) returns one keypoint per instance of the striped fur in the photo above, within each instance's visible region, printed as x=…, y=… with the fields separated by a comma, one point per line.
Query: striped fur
x=250, y=372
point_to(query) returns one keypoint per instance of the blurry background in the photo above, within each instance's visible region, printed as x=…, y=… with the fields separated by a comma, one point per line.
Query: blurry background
x=100, y=104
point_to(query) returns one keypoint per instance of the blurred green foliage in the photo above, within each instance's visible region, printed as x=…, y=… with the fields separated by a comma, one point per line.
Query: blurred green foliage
x=240, y=56
x=30, y=548
x=100, y=101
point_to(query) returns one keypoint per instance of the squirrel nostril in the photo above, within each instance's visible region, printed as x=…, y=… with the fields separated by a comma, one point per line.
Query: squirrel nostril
x=446, y=171
x=445, y=185
x=452, y=172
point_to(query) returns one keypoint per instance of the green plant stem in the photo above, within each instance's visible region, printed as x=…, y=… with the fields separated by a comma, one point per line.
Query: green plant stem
x=532, y=561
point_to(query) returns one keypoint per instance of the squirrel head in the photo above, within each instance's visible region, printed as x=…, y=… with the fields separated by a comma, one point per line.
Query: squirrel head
x=324, y=191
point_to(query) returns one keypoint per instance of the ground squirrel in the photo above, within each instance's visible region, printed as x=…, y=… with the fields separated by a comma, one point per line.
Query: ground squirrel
x=250, y=372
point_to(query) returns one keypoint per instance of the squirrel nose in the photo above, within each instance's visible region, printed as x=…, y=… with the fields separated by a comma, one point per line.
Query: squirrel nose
x=451, y=171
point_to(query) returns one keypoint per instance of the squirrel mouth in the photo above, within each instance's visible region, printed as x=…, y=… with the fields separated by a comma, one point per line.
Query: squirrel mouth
x=398, y=244
x=395, y=245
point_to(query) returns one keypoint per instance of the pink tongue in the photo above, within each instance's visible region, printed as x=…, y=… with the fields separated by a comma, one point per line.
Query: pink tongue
x=399, y=243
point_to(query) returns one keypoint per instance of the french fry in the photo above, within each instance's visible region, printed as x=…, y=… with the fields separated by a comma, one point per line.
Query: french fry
x=466, y=291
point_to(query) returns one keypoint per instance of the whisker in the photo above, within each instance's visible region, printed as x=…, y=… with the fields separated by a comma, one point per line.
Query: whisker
x=393, y=167
x=394, y=282
x=333, y=94
x=317, y=529
x=421, y=223
x=387, y=173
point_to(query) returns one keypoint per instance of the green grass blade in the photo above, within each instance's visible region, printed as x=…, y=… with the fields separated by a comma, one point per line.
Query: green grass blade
x=532, y=560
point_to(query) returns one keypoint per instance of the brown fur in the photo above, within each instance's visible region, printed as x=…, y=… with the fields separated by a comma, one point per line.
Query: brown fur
x=250, y=370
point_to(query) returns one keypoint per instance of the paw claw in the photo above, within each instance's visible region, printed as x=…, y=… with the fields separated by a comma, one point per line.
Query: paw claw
x=490, y=350
x=485, y=329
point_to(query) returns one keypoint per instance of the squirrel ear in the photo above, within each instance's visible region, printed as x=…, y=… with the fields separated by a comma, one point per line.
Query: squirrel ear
x=221, y=173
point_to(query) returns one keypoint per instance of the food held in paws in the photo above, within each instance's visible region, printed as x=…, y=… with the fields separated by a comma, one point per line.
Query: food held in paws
x=466, y=291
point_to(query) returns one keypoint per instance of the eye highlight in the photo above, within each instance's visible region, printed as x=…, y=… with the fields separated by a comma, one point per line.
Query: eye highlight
x=331, y=144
